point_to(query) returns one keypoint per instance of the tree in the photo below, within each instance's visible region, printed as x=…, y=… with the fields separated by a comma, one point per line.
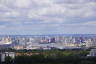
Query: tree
x=8, y=60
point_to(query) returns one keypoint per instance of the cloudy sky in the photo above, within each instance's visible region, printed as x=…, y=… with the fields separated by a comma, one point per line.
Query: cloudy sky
x=35, y=17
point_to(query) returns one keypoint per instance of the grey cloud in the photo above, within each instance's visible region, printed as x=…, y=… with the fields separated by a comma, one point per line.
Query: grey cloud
x=73, y=1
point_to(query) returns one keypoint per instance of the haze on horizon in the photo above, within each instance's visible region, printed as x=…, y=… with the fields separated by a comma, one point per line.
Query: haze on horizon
x=35, y=17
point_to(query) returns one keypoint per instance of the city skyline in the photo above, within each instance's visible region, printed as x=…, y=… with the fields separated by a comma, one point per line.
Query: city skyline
x=47, y=42
x=41, y=17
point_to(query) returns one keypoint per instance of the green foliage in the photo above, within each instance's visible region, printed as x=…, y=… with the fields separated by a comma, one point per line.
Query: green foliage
x=53, y=57
x=8, y=60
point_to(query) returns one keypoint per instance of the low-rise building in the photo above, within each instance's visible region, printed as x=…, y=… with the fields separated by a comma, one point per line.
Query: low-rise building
x=92, y=52
x=3, y=55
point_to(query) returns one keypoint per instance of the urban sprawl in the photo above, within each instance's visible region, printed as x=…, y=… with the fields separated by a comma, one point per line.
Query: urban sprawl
x=47, y=42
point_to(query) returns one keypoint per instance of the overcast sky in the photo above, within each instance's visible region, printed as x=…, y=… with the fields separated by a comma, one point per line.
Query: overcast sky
x=35, y=17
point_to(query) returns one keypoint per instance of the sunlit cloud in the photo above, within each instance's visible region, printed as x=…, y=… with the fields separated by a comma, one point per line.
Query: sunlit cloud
x=43, y=16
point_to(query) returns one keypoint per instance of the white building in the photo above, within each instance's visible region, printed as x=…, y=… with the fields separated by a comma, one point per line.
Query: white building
x=92, y=52
x=3, y=55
